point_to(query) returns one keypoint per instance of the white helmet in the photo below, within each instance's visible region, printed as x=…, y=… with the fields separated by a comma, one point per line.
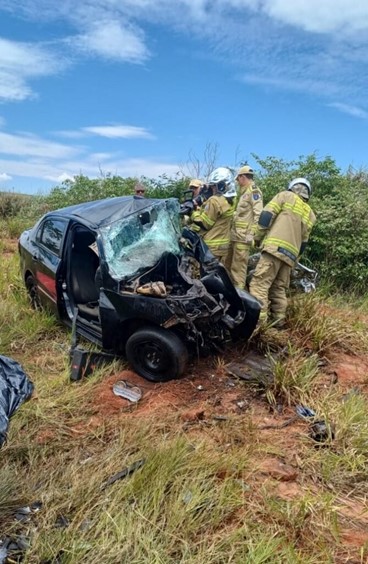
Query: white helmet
x=305, y=190
x=223, y=179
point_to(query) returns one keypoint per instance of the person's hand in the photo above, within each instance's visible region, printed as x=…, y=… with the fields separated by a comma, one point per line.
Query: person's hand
x=249, y=239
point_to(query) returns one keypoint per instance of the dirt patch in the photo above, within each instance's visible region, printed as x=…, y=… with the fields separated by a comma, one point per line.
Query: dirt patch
x=355, y=538
x=350, y=371
x=204, y=391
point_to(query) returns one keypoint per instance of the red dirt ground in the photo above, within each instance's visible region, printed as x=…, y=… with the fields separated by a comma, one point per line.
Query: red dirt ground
x=208, y=392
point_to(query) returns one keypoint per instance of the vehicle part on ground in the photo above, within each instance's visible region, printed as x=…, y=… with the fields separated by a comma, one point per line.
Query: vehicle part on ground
x=83, y=362
x=15, y=388
x=321, y=431
x=127, y=391
x=253, y=368
x=157, y=354
x=304, y=411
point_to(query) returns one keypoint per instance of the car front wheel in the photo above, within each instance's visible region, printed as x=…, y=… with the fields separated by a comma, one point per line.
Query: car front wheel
x=157, y=354
x=32, y=290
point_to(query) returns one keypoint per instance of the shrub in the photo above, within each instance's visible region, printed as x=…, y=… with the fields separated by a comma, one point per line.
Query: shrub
x=11, y=204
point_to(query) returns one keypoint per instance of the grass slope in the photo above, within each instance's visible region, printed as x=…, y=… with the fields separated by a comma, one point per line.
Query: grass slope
x=221, y=480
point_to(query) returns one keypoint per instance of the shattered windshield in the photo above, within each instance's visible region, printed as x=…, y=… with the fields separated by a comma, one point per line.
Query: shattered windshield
x=139, y=240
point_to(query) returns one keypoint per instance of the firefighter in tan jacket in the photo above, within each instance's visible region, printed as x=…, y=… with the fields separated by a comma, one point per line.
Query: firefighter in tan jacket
x=212, y=221
x=284, y=225
x=244, y=225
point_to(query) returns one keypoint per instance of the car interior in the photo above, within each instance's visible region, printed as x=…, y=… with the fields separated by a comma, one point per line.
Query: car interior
x=84, y=274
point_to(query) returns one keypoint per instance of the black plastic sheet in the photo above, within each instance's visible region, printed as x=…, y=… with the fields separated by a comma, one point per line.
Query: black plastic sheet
x=15, y=388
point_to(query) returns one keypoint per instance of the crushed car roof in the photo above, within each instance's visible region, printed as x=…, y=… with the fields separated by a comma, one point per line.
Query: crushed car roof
x=103, y=212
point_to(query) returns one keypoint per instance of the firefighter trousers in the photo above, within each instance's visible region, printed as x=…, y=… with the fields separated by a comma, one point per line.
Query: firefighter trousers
x=220, y=254
x=236, y=263
x=269, y=283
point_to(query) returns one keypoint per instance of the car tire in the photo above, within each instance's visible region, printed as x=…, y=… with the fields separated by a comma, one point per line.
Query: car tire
x=157, y=354
x=33, y=294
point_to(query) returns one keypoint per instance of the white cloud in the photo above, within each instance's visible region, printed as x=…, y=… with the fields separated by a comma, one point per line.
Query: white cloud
x=142, y=167
x=61, y=177
x=119, y=131
x=112, y=40
x=33, y=146
x=90, y=166
x=320, y=44
x=350, y=110
x=5, y=177
x=321, y=16
x=116, y=131
x=20, y=62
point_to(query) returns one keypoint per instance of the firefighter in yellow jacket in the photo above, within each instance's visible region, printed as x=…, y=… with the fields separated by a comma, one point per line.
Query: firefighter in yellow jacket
x=244, y=225
x=212, y=221
x=284, y=225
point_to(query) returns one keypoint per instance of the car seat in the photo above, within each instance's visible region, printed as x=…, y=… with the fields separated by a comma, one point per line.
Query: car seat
x=83, y=266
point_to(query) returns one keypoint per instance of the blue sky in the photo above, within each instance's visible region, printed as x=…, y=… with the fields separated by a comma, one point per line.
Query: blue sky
x=142, y=87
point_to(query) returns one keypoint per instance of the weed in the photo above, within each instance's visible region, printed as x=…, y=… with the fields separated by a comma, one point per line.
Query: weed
x=294, y=375
x=320, y=327
x=199, y=497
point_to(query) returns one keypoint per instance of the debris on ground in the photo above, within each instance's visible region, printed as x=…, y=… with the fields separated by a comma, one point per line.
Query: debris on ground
x=253, y=368
x=128, y=391
x=15, y=388
x=321, y=431
x=304, y=411
x=13, y=549
x=124, y=473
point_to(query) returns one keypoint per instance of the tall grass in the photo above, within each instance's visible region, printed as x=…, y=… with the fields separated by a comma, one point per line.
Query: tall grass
x=200, y=496
x=321, y=327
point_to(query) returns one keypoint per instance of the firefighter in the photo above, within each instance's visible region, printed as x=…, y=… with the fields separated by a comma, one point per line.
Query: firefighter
x=212, y=221
x=283, y=228
x=244, y=225
x=195, y=186
x=193, y=202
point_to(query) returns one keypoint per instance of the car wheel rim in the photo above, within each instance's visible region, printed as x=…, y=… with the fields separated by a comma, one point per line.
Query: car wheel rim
x=152, y=357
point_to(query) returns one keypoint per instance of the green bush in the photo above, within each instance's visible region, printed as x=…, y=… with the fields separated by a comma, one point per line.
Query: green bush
x=11, y=204
x=84, y=189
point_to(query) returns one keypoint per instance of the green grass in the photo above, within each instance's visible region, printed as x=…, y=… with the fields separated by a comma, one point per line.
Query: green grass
x=200, y=497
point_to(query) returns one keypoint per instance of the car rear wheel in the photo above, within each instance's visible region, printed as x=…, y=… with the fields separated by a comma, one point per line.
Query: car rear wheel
x=32, y=290
x=157, y=354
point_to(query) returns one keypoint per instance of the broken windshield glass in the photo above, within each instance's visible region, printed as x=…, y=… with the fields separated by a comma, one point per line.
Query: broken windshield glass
x=139, y=240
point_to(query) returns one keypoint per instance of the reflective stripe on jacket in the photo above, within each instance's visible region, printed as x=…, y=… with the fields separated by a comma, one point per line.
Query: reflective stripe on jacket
x=213, y=221
x=290, y=226
x=248, y=210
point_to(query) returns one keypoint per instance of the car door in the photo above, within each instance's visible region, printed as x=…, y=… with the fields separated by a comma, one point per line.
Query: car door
x=46, y=259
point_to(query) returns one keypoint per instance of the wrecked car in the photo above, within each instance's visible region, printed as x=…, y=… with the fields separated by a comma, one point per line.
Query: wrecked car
x=134, y=282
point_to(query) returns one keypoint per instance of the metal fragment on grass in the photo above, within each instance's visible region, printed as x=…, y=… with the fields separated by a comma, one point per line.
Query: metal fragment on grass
x=127, y=391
